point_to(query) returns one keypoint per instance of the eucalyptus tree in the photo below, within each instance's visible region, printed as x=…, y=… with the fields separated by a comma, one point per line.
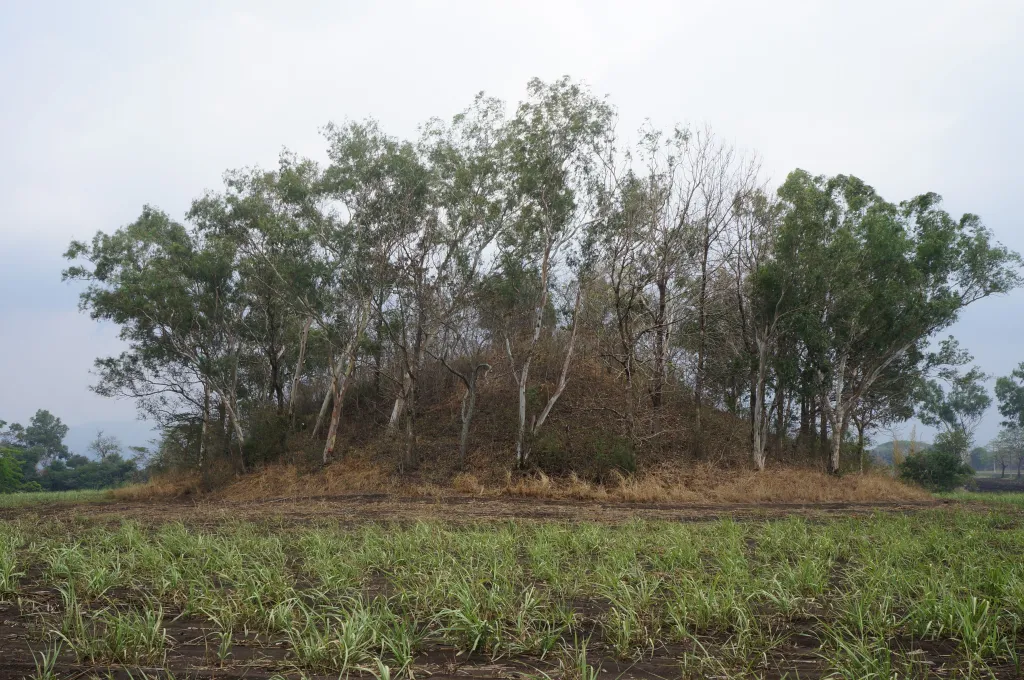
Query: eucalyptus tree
x=629, y=210
x=719, y=181
x=764, y=295
x=174, y=294
x=438, y=260
x=672, y=182
x=876, y=280
x=956, y=400
x=553, y=147
x=469, y=211
x=376, y=184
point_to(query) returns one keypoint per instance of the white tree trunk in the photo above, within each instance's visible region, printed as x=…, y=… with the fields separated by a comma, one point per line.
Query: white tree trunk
x=759, y=423
x=400, y=401
x=563, y=378
x=298, y=370
x=205, y=427
x=341, y=383
x=328, y=398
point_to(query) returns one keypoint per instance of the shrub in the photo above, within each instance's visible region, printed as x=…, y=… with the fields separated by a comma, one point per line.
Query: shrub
x=940, y=468
x=613, y=454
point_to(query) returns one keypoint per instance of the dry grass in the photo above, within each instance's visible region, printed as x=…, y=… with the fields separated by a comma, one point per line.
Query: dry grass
x=349, y=475
x=164, y=487
x=704, y=484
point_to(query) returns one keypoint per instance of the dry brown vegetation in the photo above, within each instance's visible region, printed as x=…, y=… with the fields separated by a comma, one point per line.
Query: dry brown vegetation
x=703, y=484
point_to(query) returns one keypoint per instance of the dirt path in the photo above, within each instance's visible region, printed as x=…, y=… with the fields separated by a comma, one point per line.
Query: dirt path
x=460, y=509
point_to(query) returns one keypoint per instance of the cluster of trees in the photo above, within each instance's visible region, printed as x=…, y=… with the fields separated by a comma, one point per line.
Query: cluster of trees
x=35, y=458
x=501, y=239
x=957, y=411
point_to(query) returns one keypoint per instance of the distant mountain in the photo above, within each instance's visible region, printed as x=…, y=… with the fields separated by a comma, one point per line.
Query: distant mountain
x=129, y=432
x=883, y=452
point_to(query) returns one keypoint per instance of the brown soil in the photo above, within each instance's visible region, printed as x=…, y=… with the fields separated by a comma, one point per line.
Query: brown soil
x=380, y=507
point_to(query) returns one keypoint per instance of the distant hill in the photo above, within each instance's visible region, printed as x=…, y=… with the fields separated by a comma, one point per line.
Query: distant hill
x=129, y=432
x=883, y=452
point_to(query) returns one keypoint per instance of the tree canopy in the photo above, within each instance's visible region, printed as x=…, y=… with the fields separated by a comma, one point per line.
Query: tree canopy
x=530, y=240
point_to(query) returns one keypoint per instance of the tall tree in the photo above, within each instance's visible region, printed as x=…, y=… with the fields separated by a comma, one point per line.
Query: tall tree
x=878, y=279
x=553, y=145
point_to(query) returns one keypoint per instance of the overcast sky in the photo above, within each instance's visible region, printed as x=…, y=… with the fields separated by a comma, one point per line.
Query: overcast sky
x=105, y=106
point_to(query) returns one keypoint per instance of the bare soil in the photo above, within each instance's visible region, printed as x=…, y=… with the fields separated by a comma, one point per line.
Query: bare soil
x=379, y=507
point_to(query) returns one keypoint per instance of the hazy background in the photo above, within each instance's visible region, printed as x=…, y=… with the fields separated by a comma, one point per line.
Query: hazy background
x=106, y=106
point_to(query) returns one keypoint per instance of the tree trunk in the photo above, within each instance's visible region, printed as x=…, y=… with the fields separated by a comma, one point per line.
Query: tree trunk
x=837, y=444
x=342, y=382
x=410, y=407
x=409, y=457
x=521, y=449
x=341, y=386
x=468, y=405
x=702, y=325
x=806, y=417
x=407, y=381
x=225, y=432
x=780, y=419
x=660, y=345
x=823, y=438
x=236, y=427
x=275, y=380
x=757, y=420
x=206, y=426
x=328, y=399
x=563, y=378
x=860, y=442
x=522, y=446
x=298, y=371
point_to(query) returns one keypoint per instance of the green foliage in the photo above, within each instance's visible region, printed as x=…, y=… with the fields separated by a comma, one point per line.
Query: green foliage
x=940, y=468
x=960, y=405
x=10, y=471
x=36, y=459
x=873, y=280
x=81, y=473
x=710, y=599
x=613, y=454
x=1010, y=394
x=46, y=431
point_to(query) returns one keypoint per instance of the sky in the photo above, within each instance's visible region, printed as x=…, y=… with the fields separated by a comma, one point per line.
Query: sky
x=107, y=106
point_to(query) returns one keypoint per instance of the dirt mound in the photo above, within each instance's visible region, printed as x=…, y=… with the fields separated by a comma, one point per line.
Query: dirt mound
x=703, y=484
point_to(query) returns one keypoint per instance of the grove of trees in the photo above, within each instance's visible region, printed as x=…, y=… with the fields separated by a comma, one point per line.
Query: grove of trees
x=531, y=249
x=35, y=458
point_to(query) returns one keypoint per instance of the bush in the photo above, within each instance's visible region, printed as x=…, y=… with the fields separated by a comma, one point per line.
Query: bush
x=940, y=468
x=613, y=454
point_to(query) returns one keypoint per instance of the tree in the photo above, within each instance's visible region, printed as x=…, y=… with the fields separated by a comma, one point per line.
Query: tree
x=105, y=445
x=1010, y=395
x=877, y=279
x=553, y=146
x=940, y=468
x=391, y=278
x=961, y=404
x=47, y=432
x=1008, y=449
x=175, y=295
x=765, y=297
